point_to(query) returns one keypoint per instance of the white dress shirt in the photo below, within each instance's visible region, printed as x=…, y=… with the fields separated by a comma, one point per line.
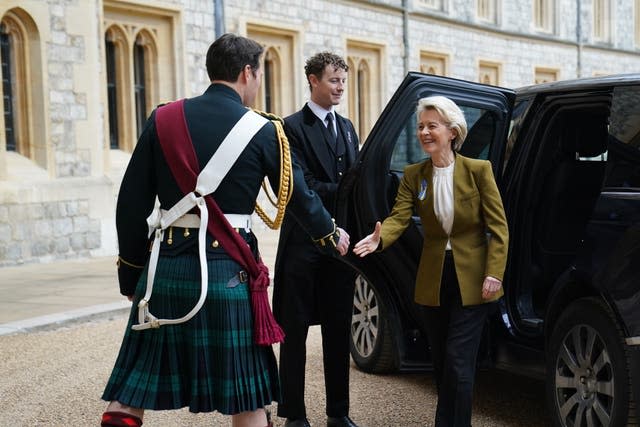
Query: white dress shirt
x=321, y=113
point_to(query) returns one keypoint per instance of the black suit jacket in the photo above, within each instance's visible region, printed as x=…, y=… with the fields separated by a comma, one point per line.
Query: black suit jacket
x=310, y=145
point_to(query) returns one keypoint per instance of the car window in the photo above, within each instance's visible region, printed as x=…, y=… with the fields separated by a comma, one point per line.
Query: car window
x=481, y=125
x=520, y=109
x=623, y=167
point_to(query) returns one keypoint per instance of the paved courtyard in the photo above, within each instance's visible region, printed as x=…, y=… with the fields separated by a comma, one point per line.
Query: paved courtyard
x=55, y=378
x=55, y=357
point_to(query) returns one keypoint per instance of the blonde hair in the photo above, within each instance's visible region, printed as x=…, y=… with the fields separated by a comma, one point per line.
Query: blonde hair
x=451, y=114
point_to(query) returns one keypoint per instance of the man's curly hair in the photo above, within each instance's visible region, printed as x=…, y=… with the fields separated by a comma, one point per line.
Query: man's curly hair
x=317, y=63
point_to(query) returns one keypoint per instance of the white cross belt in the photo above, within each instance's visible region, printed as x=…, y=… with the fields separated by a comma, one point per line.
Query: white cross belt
x=208, y=181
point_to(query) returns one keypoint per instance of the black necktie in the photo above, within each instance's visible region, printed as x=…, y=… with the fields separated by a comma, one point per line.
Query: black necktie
x=332, y=130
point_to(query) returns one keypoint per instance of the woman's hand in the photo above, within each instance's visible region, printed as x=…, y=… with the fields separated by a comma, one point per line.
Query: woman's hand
x=370, y=243
x=490, y=286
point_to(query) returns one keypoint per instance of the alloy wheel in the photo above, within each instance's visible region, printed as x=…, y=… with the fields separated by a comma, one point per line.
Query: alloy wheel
x=584, y=379
x=365, y=319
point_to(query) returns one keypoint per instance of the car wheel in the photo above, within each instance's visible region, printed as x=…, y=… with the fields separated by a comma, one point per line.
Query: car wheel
x=587, y=368
x=373, y=323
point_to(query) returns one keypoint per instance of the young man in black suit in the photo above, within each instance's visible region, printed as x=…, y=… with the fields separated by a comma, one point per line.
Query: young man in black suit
x=310, y=287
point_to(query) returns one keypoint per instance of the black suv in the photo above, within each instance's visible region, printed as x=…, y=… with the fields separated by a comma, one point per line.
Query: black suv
x=566, y=157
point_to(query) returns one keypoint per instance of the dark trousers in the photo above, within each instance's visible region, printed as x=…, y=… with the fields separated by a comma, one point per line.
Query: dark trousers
x=454, y=333
x=334, y=299
x=336, y=370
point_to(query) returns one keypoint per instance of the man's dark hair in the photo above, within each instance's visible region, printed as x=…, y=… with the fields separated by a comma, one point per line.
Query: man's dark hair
x=317, y=63
x=229, y=54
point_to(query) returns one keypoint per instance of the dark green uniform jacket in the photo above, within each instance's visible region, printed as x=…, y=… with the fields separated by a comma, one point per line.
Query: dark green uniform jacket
x=209, y=117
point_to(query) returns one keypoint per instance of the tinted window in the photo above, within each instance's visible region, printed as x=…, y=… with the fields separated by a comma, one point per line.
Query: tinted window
x=406, y=150
x=480, y=123
x=518, y=115
x=623, y=168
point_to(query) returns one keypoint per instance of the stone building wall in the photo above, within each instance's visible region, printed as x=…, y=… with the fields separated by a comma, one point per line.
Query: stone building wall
x=62, y=205
x=47, y=230
x=65, y=208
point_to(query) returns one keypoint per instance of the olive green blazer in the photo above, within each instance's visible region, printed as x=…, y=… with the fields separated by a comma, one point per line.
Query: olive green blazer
x=479, y=235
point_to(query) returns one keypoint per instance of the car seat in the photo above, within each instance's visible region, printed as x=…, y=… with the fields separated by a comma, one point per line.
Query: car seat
x=570, y=190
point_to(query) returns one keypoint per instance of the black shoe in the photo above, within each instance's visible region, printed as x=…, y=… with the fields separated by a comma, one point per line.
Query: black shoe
x=340, y=422
x=297, y=422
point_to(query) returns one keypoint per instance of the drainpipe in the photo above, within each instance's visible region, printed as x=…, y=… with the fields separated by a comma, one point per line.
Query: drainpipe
x=218, y=13
x=405, y=43
x=579, y=39
x=405, y=34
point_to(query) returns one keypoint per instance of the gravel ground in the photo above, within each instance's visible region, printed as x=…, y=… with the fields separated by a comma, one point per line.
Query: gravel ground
x=56, y=377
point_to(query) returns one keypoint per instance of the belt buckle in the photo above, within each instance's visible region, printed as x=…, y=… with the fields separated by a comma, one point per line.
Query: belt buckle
x=243, y=276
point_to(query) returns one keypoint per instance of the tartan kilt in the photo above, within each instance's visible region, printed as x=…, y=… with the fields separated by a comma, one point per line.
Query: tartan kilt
x=209, y=363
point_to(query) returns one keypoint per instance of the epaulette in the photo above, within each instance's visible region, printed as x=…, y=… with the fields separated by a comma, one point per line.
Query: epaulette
x=269, y=116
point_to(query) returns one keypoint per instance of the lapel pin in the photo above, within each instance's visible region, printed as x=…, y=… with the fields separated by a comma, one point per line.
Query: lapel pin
x=423, y=190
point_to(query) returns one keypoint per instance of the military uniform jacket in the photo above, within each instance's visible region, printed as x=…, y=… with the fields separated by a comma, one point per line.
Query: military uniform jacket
x=479, y=235
x=209, y=117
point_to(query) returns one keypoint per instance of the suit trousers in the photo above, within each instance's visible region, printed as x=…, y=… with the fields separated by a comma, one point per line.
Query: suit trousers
x=454, y=334
x=334, y=302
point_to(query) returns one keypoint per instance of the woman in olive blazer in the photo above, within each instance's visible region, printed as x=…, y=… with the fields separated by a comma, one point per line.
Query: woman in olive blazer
x=477, y=213
x=464, y=253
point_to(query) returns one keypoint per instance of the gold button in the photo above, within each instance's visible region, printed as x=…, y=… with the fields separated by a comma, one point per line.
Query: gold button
x=215, y=244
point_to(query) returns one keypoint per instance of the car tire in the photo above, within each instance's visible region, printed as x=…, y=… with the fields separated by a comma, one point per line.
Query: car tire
x=588, y=380
x=373, y=325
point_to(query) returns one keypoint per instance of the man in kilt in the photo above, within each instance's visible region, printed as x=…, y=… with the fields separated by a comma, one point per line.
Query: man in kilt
x=217, y=355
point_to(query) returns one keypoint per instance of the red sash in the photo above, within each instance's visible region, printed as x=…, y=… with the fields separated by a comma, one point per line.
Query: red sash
x=173, y=134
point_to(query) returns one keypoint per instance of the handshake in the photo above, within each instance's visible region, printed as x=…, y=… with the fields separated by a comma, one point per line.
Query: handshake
x=363, y=247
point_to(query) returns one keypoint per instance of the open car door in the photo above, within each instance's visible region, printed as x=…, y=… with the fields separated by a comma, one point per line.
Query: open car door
x=367, y=193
